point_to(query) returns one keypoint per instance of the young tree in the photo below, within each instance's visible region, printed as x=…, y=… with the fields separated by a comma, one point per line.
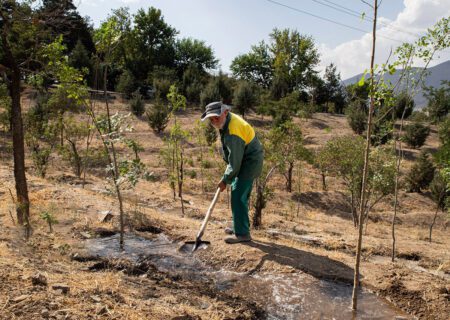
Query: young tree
x=421, y=174
x=244, y=97
x=356, y=118
x=158, y=116
x=438, y=101
x=334, y=90
x=126, y=84
x=75, y=133
x=219, y=88
x=176, y=142
x=287, y=143
x=416, y=134
x=440, y=193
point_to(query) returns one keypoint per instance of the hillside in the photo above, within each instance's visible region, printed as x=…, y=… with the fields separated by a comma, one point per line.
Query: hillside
x=434, y=77
x=303, y=253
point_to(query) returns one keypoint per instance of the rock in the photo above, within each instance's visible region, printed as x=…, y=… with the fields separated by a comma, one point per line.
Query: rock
x=20, y=298
x=45, y=313
x=85, y=235
x=61, y=286
x=102, y=310
x=96, y=298
x=39, y=280
x=105, y=216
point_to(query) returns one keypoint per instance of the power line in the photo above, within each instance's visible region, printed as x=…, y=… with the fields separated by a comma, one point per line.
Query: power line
x=356, y=14
x=328, y=20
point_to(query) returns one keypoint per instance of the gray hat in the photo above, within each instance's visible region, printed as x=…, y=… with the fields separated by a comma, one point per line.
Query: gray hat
x=214, y=109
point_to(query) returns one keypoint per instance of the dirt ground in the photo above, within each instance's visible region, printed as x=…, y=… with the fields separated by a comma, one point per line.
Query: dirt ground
x=49, y=277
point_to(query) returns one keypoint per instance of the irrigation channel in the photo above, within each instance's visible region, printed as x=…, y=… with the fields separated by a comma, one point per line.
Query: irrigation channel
x=284, y=296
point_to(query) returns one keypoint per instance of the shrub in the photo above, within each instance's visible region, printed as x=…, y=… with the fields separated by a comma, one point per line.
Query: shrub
x=416, y=134
x=418, y=116
x=210, y=134
x=244, y=97
x=158, y=117
x=421, y=174
x=206, y=164
x=381, y=132
x=137, y=104
x=126, y=84
x=191, y=174
x=357, y=118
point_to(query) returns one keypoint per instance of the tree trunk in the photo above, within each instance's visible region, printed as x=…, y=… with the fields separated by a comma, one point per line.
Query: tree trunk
x=23, y=202
x=77, y=158
x=366, y=166
x=289, y=177
x=434, y=220
x=324, y=184
x=116, y=168
x=259, y=205
x=180, y=183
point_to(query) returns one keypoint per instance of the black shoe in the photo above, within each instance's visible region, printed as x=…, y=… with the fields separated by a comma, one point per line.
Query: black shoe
x=238, y=239
x=229, y=230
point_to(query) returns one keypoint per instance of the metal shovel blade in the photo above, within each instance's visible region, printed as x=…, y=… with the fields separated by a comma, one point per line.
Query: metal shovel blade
x=191, y=246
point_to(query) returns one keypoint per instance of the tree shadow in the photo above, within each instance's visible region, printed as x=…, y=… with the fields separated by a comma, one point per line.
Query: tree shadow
x=331, y=203
x=319, y=124
x=320, y=267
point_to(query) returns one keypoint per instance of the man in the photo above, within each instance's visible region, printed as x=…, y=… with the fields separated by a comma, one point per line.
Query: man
x=244, y=155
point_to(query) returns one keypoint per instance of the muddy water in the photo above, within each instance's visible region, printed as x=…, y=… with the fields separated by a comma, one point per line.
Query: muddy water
x=285, y=296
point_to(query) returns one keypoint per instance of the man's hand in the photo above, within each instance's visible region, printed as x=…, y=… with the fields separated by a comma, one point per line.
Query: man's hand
x=222, y=186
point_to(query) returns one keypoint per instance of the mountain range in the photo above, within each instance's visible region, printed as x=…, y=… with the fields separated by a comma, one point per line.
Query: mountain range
x=433, y=78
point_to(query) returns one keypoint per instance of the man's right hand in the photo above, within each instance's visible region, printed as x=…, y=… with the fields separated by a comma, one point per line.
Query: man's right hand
x=222, y=186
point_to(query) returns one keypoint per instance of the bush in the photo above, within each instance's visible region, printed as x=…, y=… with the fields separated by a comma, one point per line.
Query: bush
x=191, y=174
x=381, y=132
x=158, y=117
x=416, y=134
x=137, y=104
x=218, y=89
x=418, y=116
x=210, y=134
x=357, y=118
x=206, y=164
x=244, y=97
x=421, y=174
x=126, y=84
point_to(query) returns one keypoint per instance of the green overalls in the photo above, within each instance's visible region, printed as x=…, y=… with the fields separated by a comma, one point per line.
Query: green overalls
x=244, y=155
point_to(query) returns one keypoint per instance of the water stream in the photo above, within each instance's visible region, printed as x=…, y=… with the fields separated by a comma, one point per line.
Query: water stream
x=285, y=296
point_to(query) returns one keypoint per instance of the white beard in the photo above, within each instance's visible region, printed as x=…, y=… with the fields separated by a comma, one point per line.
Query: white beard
x=219, y=125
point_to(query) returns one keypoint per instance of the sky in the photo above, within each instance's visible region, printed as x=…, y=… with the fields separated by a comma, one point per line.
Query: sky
x=231, y=27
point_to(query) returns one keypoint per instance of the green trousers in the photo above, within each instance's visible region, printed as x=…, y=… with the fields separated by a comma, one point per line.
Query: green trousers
x=240, y=194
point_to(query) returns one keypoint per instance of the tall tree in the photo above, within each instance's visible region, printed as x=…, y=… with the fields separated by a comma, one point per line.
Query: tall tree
x=193, y=52
x=255, y=66
x=20, y=35
x=334, y=89
x=67, y=21
x=294, y=57
x=154, y=41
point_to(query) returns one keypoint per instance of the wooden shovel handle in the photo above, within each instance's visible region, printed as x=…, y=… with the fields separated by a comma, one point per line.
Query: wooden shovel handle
x=208, y=213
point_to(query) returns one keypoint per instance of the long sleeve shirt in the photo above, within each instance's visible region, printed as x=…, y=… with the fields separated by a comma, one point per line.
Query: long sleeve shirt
x=242, y=150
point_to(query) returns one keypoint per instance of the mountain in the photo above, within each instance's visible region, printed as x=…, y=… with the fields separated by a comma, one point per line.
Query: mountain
x=433, y=79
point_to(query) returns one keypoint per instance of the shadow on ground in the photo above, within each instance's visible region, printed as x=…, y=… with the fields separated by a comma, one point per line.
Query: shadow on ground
x=331, y=203
x=318, y=266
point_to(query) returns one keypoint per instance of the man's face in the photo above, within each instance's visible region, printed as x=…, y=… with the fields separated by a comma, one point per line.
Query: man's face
x=219, y=121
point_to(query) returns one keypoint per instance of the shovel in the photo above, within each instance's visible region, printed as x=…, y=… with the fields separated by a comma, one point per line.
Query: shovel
x=198, y=241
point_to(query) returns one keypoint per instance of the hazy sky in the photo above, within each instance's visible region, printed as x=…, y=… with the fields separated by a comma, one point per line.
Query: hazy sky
x=231, y=27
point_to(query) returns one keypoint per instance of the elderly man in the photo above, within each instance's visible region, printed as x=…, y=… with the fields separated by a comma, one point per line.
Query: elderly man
x=244, y=155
